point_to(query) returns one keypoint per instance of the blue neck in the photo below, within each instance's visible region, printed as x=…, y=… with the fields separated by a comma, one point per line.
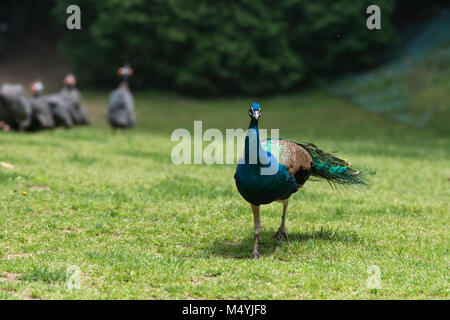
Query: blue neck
x=250, y=138
x=254, y=125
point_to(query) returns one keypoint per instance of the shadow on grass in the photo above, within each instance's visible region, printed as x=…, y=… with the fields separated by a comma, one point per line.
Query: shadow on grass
x=243, y=249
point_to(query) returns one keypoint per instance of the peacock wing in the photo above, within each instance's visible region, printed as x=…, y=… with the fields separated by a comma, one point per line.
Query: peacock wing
x=296, y=159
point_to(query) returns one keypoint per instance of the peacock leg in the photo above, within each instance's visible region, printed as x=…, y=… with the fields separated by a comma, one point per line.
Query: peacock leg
x=282, y=230
x=257, y=224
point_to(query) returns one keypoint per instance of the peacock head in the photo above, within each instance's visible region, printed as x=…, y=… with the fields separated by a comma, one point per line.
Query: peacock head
x=255, y=111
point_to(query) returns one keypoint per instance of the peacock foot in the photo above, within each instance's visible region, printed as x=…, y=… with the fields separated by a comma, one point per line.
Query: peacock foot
x=280, y=234
x=256, y=254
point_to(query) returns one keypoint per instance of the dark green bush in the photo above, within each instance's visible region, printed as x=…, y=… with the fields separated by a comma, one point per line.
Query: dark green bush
x=217, y=46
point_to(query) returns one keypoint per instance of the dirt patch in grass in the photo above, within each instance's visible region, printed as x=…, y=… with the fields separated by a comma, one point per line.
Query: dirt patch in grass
x=39, y=188
x=17, y=255
x=69, y=230
x=9, y=276
x=28, y=296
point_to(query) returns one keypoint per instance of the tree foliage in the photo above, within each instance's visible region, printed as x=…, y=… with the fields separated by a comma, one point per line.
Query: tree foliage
x=217, y=46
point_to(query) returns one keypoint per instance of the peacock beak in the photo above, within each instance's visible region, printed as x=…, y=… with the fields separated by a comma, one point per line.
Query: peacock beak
x=256, y=114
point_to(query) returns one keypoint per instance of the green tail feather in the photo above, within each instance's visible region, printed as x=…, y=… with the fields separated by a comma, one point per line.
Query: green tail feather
x=327, y=166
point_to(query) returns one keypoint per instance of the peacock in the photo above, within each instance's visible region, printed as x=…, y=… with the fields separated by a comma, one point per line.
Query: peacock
x=121, y=103
x=274, y=169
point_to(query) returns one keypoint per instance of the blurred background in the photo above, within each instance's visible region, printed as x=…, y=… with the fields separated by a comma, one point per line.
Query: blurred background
x=246, y=48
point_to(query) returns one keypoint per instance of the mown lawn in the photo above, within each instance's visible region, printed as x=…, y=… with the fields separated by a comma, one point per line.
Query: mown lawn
x=139, y=227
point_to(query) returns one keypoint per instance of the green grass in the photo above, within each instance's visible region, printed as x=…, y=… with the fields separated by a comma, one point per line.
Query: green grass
x=139, y=227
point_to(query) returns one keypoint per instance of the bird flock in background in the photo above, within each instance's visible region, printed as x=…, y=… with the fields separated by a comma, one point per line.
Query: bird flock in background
x=63, y=109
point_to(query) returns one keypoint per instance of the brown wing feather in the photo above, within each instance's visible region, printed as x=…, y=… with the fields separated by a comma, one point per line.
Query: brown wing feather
x=296, y=159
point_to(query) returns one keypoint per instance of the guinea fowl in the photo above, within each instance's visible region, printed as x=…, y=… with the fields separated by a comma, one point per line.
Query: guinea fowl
x=72, y=99
x=15, y=110
x=274, y=169
x=121, y=103
x=42, y=116
x=60, y=110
